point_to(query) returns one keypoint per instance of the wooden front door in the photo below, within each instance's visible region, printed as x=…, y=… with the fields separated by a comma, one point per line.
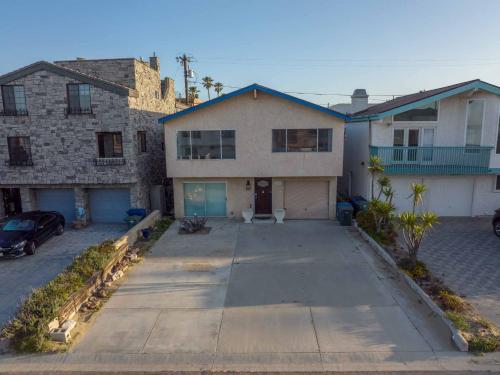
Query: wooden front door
x=263, y=196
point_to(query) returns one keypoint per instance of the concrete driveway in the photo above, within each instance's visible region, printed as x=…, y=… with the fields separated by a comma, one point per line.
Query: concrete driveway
x=308, y=293
x=19, y=276
x=465, y=253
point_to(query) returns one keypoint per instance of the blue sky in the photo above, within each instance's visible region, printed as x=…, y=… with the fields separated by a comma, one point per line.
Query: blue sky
x=387, y=46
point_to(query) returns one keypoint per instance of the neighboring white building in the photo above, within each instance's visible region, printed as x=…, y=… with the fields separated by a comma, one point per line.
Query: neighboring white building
x=447, y=138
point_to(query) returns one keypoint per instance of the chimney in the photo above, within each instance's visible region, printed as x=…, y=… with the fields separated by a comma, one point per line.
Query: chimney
x=154, y=62
x=359, y=100
x=167, y=88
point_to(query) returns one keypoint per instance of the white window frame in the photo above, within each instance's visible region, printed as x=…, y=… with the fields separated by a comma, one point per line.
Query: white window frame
x=467, y=117
x=191, y=143
x=420, y=129
x=286, y=140
x=420, y=121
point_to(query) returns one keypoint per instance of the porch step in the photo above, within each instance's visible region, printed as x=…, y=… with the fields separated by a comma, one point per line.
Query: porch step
x=264, y=220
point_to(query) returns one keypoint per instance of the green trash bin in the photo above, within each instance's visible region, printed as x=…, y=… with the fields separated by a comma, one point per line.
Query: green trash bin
x=344, y=213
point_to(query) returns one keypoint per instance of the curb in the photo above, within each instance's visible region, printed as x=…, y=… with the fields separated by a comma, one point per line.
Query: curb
x=456, y=336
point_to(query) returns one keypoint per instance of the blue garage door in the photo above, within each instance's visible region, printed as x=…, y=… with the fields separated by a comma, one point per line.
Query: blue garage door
x=205, y=199
x=60, y=200
x=108, y=205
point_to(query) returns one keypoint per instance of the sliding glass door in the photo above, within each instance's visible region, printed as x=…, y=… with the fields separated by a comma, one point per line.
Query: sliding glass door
x=205, y=199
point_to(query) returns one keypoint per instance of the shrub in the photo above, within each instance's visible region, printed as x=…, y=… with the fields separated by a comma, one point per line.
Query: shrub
x=458, y=320
x=484, y=344
x=417, y=272
x=452, y=302
x=366, y=221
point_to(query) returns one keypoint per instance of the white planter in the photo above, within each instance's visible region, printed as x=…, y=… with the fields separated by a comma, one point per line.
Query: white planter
x=279, y=214
x=247, y=215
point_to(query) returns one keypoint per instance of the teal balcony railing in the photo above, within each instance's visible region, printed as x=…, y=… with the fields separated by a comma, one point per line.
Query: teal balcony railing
x=434, y=160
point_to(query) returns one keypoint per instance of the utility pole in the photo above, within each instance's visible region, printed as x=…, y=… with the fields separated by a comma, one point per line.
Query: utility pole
x=184, y=60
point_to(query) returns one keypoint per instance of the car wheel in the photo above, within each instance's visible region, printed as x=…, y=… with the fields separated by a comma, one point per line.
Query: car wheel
x=30, y=248
x=496, y=228
x=59, y=229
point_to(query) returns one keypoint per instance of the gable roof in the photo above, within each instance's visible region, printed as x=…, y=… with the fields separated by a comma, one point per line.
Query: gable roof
x=70, y=73
x=407, y=102
x=250, y=88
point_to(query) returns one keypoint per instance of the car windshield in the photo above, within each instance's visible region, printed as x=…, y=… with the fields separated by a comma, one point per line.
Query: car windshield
x=18, y=225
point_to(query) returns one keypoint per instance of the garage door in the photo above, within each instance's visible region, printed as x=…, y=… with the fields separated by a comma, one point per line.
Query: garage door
x=450, y=196
x=60, y=200
x=108, y=205
x=306, y=199
x=205, y=199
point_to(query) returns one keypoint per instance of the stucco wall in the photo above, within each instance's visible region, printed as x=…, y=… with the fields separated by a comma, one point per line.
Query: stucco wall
x=355, y=178
x=253, y=121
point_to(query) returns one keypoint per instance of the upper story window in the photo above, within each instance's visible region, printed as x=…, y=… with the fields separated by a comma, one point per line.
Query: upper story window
x=206, y=144
x=14, y=100
x=109, y=144
x=19, y=151
x=474, y=125
x=302, y=140
x=141, y=142
x=79, y=98
x=426, y=112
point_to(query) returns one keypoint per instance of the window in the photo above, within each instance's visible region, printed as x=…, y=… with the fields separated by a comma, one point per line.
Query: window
x=206, y=144
x=427, y=112
x=14, y=101
x=19, y=151
x=79, y=98
x=302, y=140
x=498, y=137
x=141, y=142
x=110, y=145
x=419, y=140
x=474, y=125
x=497, y=183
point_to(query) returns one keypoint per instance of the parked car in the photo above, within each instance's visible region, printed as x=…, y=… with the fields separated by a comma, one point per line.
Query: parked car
x=496, y=222
x=22, y=234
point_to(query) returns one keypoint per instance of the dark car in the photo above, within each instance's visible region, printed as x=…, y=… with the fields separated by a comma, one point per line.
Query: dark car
x=22, y=234
x=496, y=222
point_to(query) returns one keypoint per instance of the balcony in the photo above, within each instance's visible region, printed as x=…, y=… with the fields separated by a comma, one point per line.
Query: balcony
x=434, y=160
x=78, y=111
x=14, y=112
x=106, y=162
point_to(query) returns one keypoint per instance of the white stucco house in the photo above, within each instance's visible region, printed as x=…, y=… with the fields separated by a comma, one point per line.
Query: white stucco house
x=448, y=138
x=255, y=148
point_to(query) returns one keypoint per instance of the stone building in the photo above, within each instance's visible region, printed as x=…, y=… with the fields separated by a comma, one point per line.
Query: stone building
x=81, y=137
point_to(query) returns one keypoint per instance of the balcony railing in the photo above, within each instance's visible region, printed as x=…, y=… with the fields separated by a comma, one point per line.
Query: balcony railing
x=105, y=162
x=434, y=160
x=78, y=111
x=14, y=112
x=19, y=162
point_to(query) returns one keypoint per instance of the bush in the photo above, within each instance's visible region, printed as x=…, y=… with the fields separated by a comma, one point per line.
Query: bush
x=484, y=344
x=458, y=320
x=366, y=221
x=452, y=302
x=417, y=272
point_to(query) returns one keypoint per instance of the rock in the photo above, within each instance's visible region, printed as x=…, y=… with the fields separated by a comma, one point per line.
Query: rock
x=117, y=275
x=54, y=324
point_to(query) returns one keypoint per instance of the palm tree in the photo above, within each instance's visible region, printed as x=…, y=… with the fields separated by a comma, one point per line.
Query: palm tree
x=218, y=88
x=193, y=93
x=375, y=166
x=208, y=83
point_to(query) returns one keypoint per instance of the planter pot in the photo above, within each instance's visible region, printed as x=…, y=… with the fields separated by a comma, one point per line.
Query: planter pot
x=279, y=215
x=247, y=215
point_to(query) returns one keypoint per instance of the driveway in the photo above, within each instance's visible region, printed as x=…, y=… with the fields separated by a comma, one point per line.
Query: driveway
x=19, y=276
x=307, y=292
x=465, y=253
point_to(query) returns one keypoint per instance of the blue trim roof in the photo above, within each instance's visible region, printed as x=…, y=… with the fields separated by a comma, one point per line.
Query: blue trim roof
x=252, y=87
x=476, y=84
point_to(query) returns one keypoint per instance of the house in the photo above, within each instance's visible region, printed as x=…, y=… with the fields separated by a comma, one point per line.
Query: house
x=447, y=138
x=82, y=136
x=255, y=148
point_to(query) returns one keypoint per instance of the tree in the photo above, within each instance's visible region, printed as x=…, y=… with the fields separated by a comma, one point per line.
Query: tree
x=374, y=167
x=218, y=88
x=416, y=225
x=208, y=83
x=193, y=93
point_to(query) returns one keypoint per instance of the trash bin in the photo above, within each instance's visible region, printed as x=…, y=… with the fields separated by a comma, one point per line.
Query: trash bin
x=344, y=213
x=358, y=204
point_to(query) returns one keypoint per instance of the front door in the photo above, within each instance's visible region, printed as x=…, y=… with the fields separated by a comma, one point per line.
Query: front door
x=263, y=196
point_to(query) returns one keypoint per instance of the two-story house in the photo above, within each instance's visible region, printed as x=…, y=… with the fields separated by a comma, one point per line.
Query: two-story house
x=81, y=137
x=447, y=138
x=255, y=148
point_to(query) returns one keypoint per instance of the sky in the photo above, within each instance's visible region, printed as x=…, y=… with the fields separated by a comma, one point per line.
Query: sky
x=388, y=47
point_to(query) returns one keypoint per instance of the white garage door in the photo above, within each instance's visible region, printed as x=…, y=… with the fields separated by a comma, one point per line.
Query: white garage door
x=306, y=199
x=450, y=196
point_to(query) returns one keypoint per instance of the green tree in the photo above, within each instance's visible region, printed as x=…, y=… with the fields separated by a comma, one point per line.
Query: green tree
x=416, y=225
x=374, y=167
x=208, y=83
x=193, y=93
x=218, y=88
